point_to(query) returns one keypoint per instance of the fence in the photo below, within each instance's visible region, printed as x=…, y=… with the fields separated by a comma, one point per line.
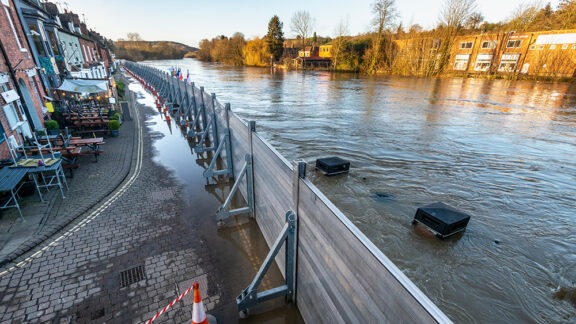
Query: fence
x=340, y=276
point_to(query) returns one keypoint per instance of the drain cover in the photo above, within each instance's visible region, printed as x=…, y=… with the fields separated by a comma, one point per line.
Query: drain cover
x=131, y=276
x=98, y=314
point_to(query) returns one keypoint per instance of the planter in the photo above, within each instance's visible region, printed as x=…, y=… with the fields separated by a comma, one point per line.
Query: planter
x=115, y=132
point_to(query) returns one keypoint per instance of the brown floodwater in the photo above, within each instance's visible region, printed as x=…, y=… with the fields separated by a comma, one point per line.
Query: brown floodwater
x=501, y=151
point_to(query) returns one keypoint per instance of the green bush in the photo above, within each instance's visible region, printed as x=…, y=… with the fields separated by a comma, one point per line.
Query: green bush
x=51, y=124
x=113, y=125
x=116, y=116
x=120, y=87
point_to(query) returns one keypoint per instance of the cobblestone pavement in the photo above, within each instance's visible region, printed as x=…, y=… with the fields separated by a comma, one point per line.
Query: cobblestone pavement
x=131, y=251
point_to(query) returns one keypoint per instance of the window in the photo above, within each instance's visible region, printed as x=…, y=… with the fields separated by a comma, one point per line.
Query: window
x=11, y=115
x=2, y=134
x=436, y=44
x=10, y=109
x=11, y=22
x=461, y=62
x=483, y=62
x=54, y=43
x=489, y=44
x=38, y=43
x=564, y=46
x=573, y=46
x=553, y=46
x=508, y=62
x=465, y=45
x=514, y=43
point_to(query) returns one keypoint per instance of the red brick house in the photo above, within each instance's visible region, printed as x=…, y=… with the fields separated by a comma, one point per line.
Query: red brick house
x=21, y=91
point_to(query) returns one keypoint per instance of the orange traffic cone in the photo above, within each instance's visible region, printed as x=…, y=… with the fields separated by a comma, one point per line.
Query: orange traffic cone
x=198, y=312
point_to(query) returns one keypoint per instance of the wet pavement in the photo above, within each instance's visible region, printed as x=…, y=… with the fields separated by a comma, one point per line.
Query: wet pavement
x=125, y=241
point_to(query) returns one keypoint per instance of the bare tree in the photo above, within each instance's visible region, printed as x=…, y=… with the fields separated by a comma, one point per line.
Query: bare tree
x=340, y=32
x=134, y=37
x=524, y=15
x=302, y=25
x=474, y=20
x=385, y=15
x=453, y=15
x=456, y=12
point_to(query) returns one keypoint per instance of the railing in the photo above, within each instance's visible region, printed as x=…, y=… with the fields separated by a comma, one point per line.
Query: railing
x=341, y=276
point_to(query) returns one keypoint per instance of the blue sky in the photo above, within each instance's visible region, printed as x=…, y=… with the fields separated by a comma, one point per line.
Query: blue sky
x=189, y=21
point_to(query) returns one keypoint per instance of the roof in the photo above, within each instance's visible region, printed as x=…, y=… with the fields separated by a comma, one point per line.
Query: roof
x=84, y=86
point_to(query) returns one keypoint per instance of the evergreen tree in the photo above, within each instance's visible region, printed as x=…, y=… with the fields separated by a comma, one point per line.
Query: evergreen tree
x=275, y=37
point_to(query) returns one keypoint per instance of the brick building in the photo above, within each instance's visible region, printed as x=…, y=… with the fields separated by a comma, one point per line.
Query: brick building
x=545, y=53
x=20, y=85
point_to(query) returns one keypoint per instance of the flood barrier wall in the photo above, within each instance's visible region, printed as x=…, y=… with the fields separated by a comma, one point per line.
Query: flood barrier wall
x=342, y=277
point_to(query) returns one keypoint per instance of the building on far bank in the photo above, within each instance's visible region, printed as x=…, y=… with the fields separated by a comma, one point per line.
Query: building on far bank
x=542, y=54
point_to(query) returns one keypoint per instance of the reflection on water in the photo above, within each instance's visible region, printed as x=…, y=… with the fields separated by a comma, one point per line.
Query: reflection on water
x=501, y=151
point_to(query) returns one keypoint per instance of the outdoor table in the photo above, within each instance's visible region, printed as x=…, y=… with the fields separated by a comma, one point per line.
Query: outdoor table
x=11, y=181
x=92, y=143
x=51, y=174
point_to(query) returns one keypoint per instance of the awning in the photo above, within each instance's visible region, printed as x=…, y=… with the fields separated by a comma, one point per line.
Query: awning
x=84, y=86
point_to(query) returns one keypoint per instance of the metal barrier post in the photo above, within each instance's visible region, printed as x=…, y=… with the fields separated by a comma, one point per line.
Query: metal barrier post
x=250, y=296
x=224, y=211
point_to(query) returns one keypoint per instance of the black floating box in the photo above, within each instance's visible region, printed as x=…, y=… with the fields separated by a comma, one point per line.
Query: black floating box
x=332, y=165
x=441, y=219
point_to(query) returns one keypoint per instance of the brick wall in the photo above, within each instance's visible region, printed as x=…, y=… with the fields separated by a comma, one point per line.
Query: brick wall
x=20, y=58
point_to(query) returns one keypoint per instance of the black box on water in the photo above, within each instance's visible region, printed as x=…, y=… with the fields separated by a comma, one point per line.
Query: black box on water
x=441, y=219
x=332, y=165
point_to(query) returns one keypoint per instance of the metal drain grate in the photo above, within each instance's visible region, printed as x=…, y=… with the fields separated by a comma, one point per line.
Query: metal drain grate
x=98, y=314
x=131, y=276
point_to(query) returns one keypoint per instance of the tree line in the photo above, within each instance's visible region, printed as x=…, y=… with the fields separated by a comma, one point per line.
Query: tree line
x=135, y=49
x=376, y=51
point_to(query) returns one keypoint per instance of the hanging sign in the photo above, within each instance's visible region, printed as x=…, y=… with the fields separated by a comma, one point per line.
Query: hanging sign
x=10, y=96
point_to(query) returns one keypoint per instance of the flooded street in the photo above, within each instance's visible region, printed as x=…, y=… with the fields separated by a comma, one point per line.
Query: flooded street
x=501, y=151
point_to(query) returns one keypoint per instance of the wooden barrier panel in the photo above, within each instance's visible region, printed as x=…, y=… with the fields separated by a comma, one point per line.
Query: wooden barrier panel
x=272, y=190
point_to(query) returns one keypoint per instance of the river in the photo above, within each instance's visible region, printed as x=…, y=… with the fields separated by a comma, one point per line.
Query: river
x=502, y=151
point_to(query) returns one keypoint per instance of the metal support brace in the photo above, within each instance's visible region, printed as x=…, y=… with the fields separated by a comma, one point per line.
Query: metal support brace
x=224, y=211
x=192, y=111
x=210, y=172
x=195, y=123
x=200, y=147
x=203, y=105
x=250, y=296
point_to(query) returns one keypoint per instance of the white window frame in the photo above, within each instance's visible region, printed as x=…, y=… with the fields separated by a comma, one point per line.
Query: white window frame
x=6, y=6
x=509, y=62
x=11, y=115
x=514, y=43
x=461, y=62
x=489, y=44
x=483, y=62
